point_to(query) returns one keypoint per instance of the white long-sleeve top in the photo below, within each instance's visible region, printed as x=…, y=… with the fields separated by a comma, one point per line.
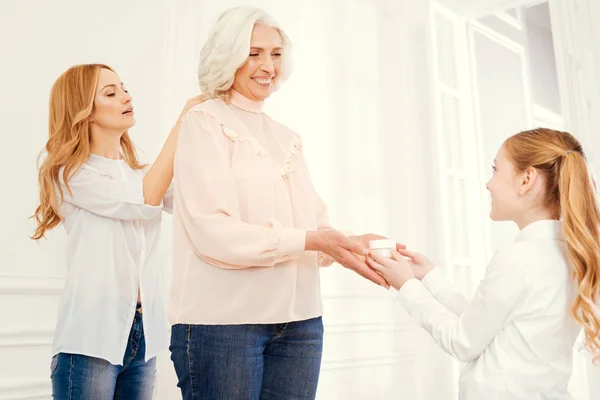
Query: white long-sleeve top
x=112, y=249
x=517, y=334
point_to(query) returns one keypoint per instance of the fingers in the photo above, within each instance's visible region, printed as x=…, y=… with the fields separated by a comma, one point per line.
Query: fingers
x=385, y=261
x=372, y=236
x=352, y=261
x=398, y=257
x=400, y=246
x=192, y=102
x=379, y=268
x=372, y=275
x=195, y=100
x=355, y=247
x=407, y=253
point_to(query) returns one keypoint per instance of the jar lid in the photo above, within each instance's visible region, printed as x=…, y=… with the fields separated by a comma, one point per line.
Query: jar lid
x=382, y=244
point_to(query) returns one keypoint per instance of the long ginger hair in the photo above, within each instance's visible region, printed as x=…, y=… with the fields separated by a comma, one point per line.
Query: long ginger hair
x=571, y=195
x=68, y=145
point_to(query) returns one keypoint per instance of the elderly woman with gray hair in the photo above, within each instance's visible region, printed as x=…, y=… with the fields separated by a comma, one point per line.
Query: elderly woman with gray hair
x=250, y=231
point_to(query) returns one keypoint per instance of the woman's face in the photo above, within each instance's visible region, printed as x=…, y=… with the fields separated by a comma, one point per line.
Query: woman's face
x=256, y=78
x=113, y=110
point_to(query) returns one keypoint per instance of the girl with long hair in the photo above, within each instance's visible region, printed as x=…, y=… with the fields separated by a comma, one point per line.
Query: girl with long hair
x=517, y=333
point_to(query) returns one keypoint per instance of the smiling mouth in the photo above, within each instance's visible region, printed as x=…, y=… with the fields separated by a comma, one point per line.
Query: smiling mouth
x=263, y=81
x=128, y=111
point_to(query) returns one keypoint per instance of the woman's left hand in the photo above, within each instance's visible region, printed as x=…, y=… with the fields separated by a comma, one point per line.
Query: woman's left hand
x=396, y=271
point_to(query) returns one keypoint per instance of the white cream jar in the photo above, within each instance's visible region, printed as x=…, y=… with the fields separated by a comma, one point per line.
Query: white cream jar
x=382, y=247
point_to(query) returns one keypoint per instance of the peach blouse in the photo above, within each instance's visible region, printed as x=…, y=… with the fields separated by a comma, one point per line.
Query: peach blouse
x=243, y=203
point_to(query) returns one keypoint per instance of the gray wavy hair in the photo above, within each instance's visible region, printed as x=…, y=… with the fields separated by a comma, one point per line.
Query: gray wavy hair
x=228, y=46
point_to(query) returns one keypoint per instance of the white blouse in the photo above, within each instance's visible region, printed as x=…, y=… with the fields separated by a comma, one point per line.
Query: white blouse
x=112, y=249
x=517, y=333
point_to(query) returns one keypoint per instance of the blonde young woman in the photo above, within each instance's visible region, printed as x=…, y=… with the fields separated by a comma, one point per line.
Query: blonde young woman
x=110, y=205
x=517, y=334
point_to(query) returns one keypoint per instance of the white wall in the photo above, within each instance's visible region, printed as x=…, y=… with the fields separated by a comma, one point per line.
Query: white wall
x=359, y=96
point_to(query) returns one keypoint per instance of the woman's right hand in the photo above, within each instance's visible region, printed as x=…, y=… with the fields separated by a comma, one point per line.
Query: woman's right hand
x=345, y=251
x=420, y=264
x=160, y=175
x=189, y=104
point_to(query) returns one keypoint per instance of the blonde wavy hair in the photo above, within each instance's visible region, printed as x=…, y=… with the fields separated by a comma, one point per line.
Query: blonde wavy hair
x=228, y=46
x=68, y=145
x=571, y=195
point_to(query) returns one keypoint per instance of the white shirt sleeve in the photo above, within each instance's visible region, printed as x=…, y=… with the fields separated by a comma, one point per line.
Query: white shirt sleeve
x=107, y=197
x=439, y=286
x=466, y=336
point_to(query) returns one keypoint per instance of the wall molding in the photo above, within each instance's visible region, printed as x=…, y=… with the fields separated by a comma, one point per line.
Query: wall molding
x=366, y=362
x=497, y=37
x=462, y=96
x=516, y=23
x=26, y=337
x=547, y=118
x=25, y=389
x=47, y=286
x=351, y=296
x=477, y=8
x=365, y=327
x=440, y=89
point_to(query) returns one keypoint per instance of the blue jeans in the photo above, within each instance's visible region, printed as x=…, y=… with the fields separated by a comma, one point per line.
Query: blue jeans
x=248, y=362
x=79, y=377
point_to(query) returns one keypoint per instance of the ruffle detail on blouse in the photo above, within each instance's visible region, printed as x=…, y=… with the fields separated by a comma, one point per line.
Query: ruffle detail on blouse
x=287, y=165
x=259, y=151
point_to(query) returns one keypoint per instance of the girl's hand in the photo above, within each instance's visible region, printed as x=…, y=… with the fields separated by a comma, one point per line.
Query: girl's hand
x=420, y=264
x=345, y=251
x=396, y=271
